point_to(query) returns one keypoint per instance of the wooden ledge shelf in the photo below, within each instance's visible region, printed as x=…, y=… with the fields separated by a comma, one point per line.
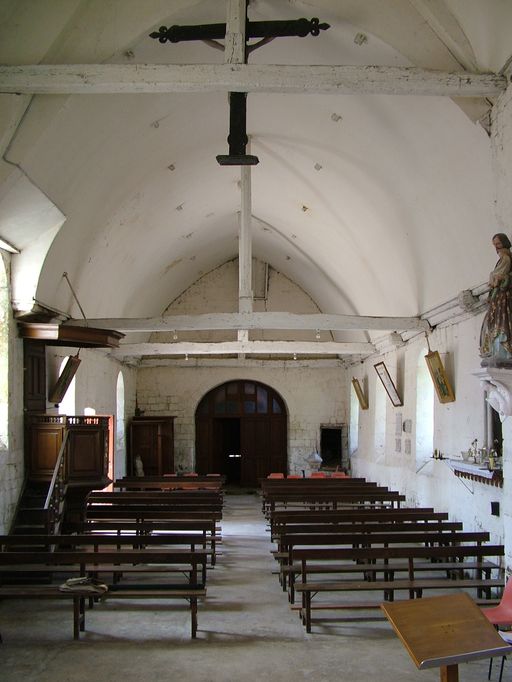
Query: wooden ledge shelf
x=476, y=472
x=61, y=335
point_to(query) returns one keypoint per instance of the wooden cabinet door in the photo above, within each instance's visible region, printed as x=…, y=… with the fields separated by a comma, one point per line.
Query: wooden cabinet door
x=44, y=442
x=34, y=378
x=152, y=438
x=88, y=449
x=255, y=449
x=144, y=441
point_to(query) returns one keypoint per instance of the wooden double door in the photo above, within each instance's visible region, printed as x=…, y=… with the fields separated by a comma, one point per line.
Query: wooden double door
x=241, y=432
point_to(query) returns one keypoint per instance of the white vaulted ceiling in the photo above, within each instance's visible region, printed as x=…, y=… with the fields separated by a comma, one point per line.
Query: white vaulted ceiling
x=364, y=201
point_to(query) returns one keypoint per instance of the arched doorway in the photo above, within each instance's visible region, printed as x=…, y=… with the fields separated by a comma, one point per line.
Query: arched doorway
x=241, y=432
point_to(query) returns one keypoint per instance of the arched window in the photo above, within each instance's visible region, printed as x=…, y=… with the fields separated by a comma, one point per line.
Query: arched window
x=4, y=358
x=354, y=423
x=379, y=432
x=67, y=404
x=424, y=410
x=120, y=448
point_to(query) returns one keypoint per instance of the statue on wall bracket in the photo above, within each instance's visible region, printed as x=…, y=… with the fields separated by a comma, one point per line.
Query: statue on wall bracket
x=496, y=332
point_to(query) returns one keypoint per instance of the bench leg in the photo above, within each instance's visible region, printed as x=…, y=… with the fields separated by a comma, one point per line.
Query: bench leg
x=193, y=616
x=307, y=602
x=291, y=591
x=78, y=617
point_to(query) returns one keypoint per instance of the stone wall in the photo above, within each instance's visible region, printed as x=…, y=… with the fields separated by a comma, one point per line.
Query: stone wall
x=314, y=396
x=11, y=446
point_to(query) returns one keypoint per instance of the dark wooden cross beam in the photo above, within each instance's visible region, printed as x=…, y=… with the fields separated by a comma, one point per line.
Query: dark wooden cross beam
x=266, y=31
x=255, y=29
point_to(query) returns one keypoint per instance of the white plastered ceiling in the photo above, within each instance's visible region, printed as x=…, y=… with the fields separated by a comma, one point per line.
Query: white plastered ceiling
x=373, y=205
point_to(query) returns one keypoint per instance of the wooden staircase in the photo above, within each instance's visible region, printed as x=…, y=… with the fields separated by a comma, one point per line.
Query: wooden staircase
x=31, y=516
x=31, y=519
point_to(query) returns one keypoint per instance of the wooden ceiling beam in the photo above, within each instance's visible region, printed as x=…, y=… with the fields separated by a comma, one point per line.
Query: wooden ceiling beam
x=285, y=348
x=58, y=79
x=268, y=320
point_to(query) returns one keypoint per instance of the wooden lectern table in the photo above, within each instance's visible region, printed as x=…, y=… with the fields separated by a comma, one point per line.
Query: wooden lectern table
x=444, y=631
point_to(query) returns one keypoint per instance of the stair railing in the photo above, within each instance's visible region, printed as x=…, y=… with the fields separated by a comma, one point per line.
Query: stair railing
x=54, y=504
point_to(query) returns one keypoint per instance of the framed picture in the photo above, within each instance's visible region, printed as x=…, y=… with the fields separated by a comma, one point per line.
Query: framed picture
x=363, y=402
x=66, y=377
x=439, y=377
x=388, y=384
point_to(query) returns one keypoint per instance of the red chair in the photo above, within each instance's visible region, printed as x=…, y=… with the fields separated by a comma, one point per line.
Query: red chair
x=339, y=474
x=275, y=475
x=501, y=614
x=318, y=474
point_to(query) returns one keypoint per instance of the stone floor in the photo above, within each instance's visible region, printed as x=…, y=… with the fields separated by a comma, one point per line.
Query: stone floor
x=246, y=632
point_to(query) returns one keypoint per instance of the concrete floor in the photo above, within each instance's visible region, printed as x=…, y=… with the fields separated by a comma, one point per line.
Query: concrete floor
x=246, y=632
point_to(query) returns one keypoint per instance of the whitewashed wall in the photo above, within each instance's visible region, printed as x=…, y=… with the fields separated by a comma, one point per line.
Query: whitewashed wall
x=502, y=158
x=455, y=424
x=11, y=457
x=313, y=396
x=429, y=482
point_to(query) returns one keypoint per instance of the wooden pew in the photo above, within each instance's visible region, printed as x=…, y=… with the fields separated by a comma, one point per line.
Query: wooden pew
x=206, y=527
x=385, y=559
x=331, y=500
x=168, y=481
x=142, y=507
x=362, y=526
x=340, y=526
x=274, y=487
x=169, y=484
x=148, y=515
x=97, y=542
x=191, y=499
x=155, y=562
x=355, y=538
x=280, y=517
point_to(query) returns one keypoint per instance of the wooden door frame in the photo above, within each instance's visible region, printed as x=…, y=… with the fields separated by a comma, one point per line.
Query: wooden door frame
x=206, y=413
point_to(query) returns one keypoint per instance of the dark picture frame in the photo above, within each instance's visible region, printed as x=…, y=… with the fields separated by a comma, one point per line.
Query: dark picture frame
x=439, y=377
x=363, y=402
x=58, y=392
x=387, y=382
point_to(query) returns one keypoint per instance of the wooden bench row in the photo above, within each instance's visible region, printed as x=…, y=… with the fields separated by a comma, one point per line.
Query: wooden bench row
x=147, y=563
x=280, y=518
x=331, y=500
x=379, y=551
x=428, y=538
x=145, y=509
x=275, y=492
x=388, y=561
x=210, y=532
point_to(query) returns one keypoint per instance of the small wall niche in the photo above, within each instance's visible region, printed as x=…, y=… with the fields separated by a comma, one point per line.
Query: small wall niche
x=331, y=445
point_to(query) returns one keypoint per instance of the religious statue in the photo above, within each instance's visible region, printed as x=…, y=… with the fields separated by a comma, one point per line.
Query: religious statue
x=139, y=468
x=496, y=332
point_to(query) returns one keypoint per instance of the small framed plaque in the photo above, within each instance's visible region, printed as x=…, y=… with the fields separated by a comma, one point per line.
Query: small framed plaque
x=388, y=384
x=363, y=402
